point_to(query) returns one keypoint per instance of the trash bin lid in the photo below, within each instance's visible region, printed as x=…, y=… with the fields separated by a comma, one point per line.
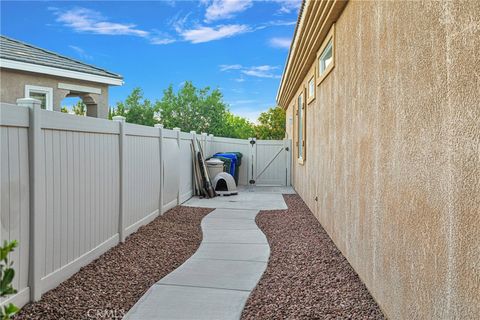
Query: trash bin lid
x=239, y=156
x=226, y=161
x=214, y=162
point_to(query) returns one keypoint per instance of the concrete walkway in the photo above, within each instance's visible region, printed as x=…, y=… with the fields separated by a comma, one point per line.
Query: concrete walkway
x=216, y=281
x=255, y=198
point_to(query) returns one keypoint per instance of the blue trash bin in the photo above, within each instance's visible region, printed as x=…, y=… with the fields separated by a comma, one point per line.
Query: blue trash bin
x=233, y=164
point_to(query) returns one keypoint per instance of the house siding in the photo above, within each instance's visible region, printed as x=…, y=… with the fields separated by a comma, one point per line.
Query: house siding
x=393, y=148
x=13, y=87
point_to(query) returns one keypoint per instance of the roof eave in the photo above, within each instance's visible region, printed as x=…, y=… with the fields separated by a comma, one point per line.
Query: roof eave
x=290, y=51
x=302, y=53
x=36, y=68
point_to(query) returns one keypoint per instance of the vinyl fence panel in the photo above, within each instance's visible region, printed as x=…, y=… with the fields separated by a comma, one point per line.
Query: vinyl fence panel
x=171, y=178
x=142, y=175
x=81, y=194
x=14, y=193
x=185, y=167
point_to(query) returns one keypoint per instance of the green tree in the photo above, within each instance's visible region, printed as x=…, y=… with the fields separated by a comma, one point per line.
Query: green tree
x=198, y=109
x=238, y=127
x=202, y=110
x=271, y=124
x=136, y=109
x=80, y=109
x=118, y=111
x=6, y=277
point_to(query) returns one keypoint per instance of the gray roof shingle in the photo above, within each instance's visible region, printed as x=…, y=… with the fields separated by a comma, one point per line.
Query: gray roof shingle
x=12, y=49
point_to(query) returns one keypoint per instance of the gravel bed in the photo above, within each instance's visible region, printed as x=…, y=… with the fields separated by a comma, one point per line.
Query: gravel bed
x=307, y=277
x=109, y=286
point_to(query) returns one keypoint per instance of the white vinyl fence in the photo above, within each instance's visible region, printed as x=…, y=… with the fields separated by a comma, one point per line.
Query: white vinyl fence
x=73, y=187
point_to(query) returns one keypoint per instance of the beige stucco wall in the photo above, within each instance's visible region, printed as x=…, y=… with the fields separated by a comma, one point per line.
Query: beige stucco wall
x=393, y=154
x=12, y=87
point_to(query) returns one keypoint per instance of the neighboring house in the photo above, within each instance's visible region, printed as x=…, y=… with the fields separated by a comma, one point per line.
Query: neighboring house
x=383, y=106
x=28, y=71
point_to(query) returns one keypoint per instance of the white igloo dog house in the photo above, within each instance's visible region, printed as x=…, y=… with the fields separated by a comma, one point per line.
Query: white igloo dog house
x=224, y=184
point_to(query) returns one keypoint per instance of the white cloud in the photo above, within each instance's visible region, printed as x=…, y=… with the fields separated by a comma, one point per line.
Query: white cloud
x=264, y=71
x=86, y=20
x=90, y=21
x=178, y=22
x=80, y=52
x=161, y=41
x=283, y=43
x=225, y=9
x=160, y=38
x=287, y=6
x=226, y=67
x=278, y=23
x=206, y=34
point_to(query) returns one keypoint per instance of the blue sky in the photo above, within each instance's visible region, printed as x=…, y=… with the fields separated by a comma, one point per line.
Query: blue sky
x=239, y=46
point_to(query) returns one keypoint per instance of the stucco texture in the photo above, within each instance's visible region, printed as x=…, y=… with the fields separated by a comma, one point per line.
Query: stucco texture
x=12, y=87
x=393, y=154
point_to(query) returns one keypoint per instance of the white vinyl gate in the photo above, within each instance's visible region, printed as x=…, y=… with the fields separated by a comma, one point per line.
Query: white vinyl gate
x=270, y=165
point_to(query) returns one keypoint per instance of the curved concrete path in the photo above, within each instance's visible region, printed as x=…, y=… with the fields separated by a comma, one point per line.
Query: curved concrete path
x=216, y=281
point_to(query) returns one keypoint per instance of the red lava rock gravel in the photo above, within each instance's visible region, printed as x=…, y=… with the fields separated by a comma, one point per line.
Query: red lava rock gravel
x=109, y=286
x=307, y=277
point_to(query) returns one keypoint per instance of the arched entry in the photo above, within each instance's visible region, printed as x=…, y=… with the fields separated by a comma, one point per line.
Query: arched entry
x=74, y=105
x=85, y=103
x=92, y=105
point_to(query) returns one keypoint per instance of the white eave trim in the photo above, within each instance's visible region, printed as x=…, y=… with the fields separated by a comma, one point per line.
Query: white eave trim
x=293, y=48
x=30, y=67
x=78, y=88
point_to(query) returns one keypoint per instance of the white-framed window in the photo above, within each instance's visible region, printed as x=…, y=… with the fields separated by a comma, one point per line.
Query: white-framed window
x=326, y=56
x=44, y=94
x=300, y=113
x=311, y=88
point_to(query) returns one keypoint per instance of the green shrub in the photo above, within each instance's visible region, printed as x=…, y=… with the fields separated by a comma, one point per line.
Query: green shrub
x=6, y=277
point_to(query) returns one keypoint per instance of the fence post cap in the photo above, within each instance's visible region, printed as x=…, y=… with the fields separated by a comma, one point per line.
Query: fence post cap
x=210, y=135
x=176, y=129
x=204, y=134
x=27, y=102
x=118, y=118
x=193, y=132
x=159, y=125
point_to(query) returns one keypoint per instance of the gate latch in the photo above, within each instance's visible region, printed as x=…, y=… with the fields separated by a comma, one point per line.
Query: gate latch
x=252, y=142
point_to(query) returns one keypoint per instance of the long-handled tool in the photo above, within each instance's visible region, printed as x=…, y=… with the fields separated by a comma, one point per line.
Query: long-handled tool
x=198, y=189
x=207, y=184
